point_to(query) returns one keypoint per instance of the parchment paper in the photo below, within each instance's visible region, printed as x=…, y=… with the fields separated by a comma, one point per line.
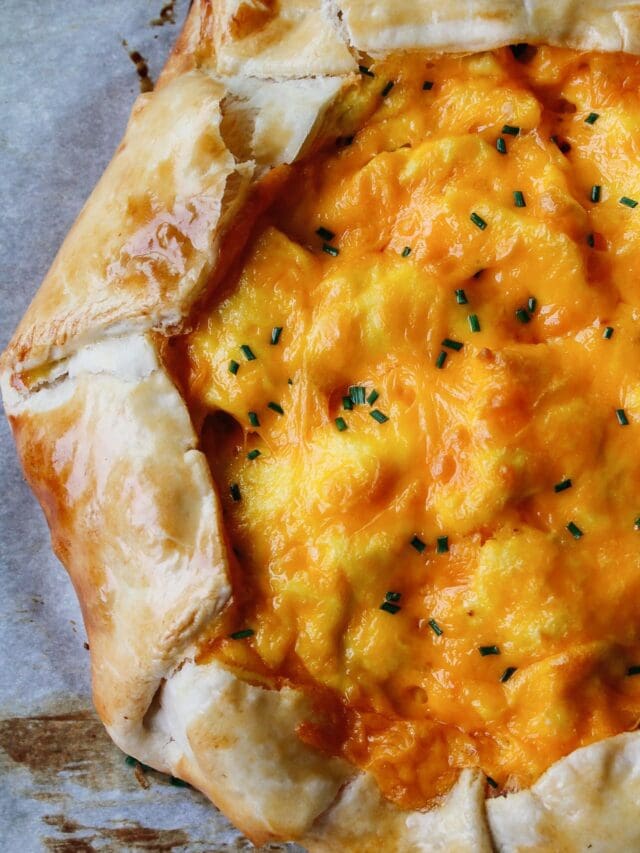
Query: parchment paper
x=66, y=87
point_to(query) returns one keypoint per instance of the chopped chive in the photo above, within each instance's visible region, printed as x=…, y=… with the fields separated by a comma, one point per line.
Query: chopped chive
x=574, y=530
x=373, y=396
x=562, y=486
x=592, y=118
x=178, y=783
x=233, y=367
x=437, y=630
x=622, y=417
x=633, y=670
x=492, y=782
x=427, y=86
x=366, y=71
x=636, y=523
x=474, y=323
x=387, y=88
x=377, y=415
x=591, y=240
x=478, y=221
x=290, y=381
x=325, y=234
x=562, y=144
x=347, y=403
x=506, y=675
x=532, y=304
x=501, y=145
x=608, y=333
x=276, y=407
x=442, y=544
x=418, y=544
x=275, y=335
x=456, y=345
x=389, y=607
x=478, y=273
x=341, y=424
x=441, y=360
x=253, y=454
x=485, y=651
x=357, y=394
x=518, y=198
x=510, y=130
x=628, y=202
x=406, y=251
x=522, y=315
x=461, y=297
x=330, y=250
x=247, y=352
x=596, y=192
x=130, y=761
x=253, y=419
x=393, y=596
x=243, y=634
x=344, y=141
x=234, y=490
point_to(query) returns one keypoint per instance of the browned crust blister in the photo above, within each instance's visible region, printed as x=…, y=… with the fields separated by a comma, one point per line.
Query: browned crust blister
x=108, y=447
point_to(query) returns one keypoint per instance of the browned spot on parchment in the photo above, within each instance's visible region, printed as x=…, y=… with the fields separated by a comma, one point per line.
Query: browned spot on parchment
x=142, y=69
x=129, y=836
x=167, y=15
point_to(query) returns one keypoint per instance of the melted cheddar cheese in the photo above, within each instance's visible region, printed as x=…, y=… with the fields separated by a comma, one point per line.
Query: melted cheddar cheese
x=438, y=537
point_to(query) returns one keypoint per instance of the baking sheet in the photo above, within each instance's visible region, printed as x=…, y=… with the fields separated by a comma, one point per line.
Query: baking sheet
x=67, y=84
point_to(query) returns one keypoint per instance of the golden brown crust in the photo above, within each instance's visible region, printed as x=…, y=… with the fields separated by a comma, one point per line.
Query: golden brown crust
x=108, y=447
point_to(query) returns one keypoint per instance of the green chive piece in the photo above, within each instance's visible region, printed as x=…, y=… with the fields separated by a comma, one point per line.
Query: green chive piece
x=574, y=530
x=377, y=415
x=474, y=323
x=441, y=360
x=608, y=333
x=501, y=145
x=510, y=130
x=418, y=544
x=591, y=240
x=437, y=630
x=243, y=634
x=518, y=198
x=492, y=782
x=456, y=345
x=357, y=394
x=406, y=251
x=562, y=486
x=485, y=651
x=633, y=670
x=387, y=88
x=389, y=607
x=532, y=304
x=247, y=352
x=178, y=783
x=275, y=335
x=253, y=419
x=130, y=761
x=596, y=192
x=253, y=454
x=330, y=250
x=325, y=234
x=427, y=86
x=478, y=273
x=234, y=490
x=347, y=403
x=623, y=420
x=442, y=544
x=233, y=367
x=290, y=381
x=373, y=396
x=506, y=675
x=636, y=523
x=366, y=71
x=523, y=316
x=276, y=407
x=393, y=596
x=592, y=118
x=478, y=221
x=341, y=424
x=628, y=202
x=461, y=297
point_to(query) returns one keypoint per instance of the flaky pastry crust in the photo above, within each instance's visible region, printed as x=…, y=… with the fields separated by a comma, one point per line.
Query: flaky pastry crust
x=108, y=447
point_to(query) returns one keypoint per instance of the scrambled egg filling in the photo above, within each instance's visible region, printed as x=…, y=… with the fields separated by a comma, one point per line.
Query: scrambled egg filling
x=423, y=393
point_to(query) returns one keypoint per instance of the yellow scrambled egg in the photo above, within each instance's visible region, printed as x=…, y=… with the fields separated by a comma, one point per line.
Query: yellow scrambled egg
x=421, y=384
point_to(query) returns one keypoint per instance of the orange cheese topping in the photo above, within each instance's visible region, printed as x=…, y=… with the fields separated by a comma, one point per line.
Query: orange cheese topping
x=487, y=294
